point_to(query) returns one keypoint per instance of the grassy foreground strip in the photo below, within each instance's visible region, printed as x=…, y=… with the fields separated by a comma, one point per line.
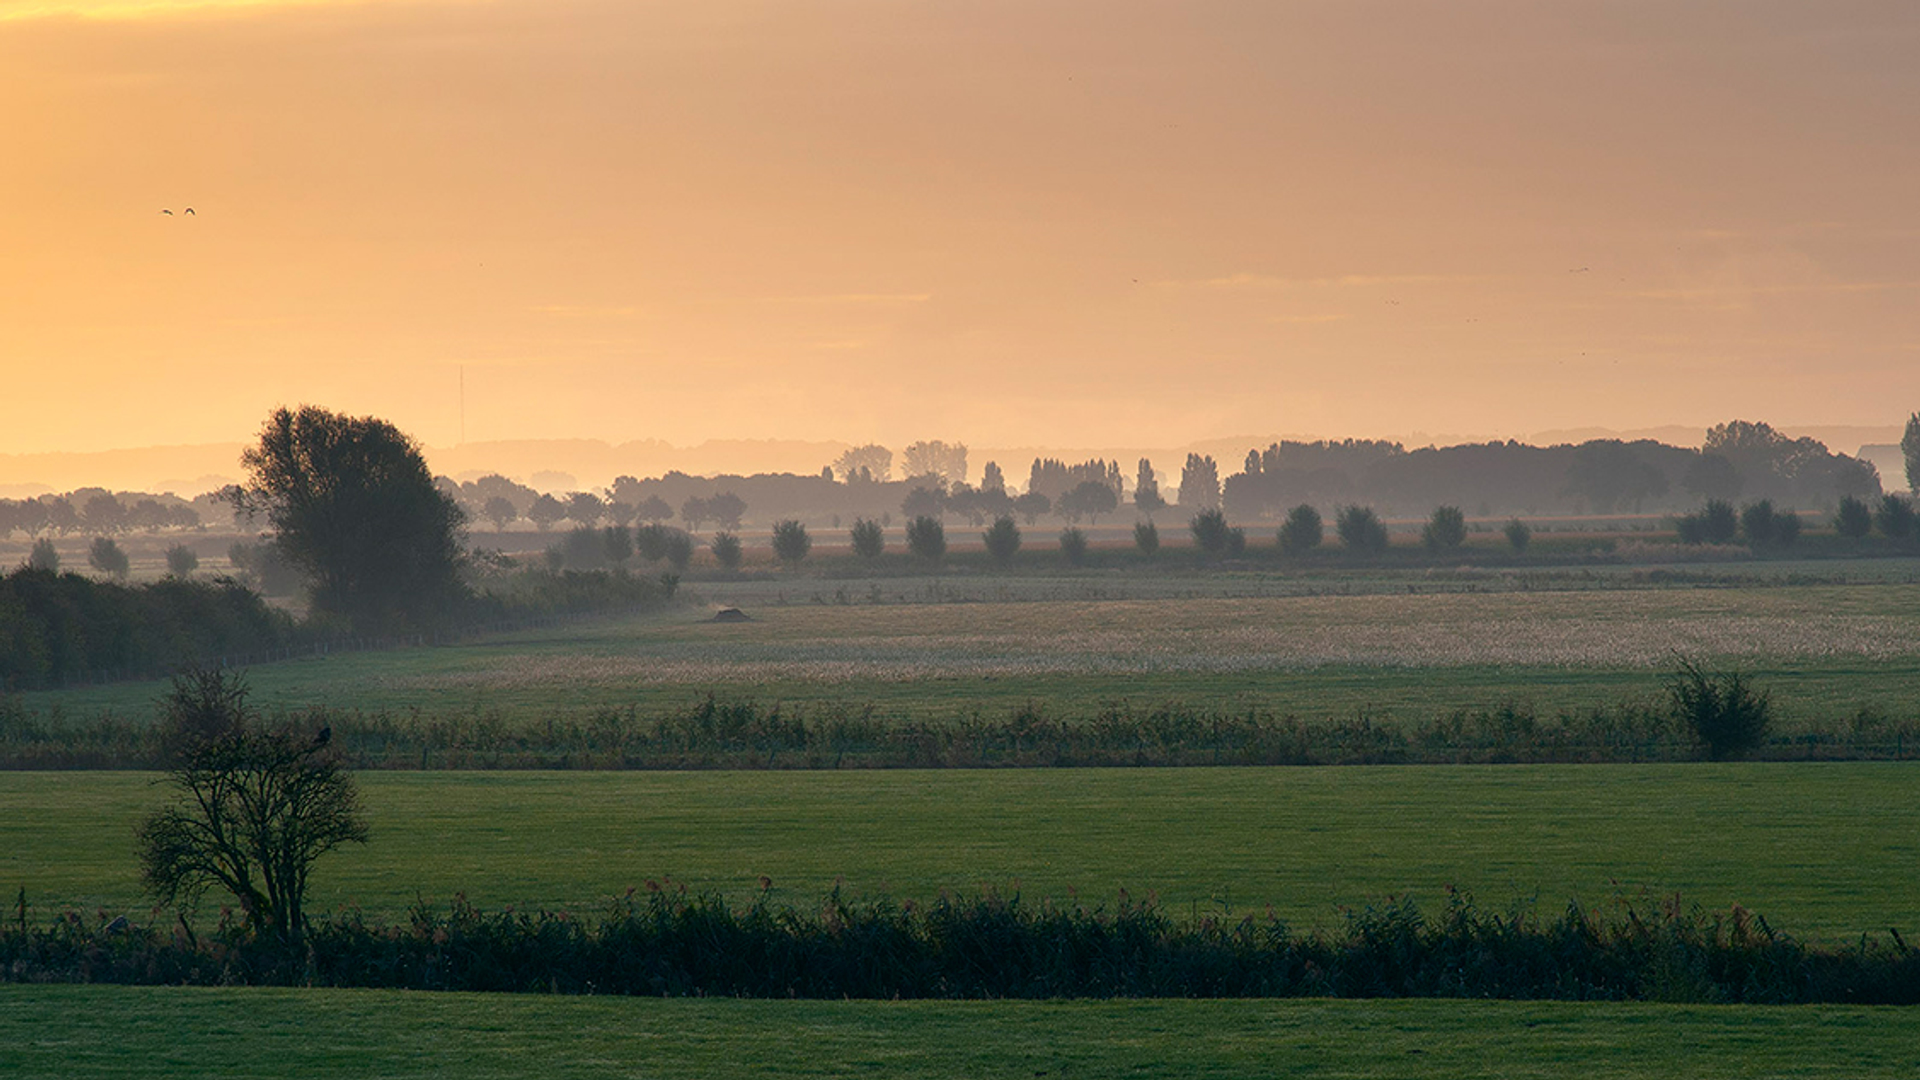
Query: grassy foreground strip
x=105, y=1032
x=1825, y=850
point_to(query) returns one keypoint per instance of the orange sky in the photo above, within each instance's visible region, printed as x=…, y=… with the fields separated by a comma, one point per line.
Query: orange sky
x=1087, y=223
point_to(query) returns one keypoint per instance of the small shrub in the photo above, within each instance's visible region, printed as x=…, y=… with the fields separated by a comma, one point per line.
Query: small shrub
x=1073, y=546
x=1894, y=518
x=1786, y=528
x=927, y=538
x=1718, y=522
x=868, y=540
x=181, y=561
x=1757, y=521
x=726, y=550
x=651, y=541
x=1209, y=528
x=1302, y=532
x=1359, y=528
x=1002, y=539
x=105, y=556
x=616, y=542
x=1445, y=530
x=1236, y=542
x=43, y=556
x=679, y=549
x=791, y=542
x=1853, y=520
x=1146, y=537
x=1728, y=719
x=1518, y=535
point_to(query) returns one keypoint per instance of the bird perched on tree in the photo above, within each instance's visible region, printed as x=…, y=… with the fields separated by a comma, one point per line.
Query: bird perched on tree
x=323, y=736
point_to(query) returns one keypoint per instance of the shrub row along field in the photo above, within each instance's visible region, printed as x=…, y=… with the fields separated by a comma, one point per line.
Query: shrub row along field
x=1825, y=851
x=668, y=942
x=320, y=1034
x=1827, y=652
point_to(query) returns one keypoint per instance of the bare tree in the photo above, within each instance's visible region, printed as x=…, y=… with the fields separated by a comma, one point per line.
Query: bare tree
x=254, y=809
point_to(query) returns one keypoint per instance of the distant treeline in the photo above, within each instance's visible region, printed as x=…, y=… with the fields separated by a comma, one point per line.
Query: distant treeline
x=1737, y=460
x=743, y=734
x=57, y=628
x=55, y=625
x=666, y=942
x=99, y=512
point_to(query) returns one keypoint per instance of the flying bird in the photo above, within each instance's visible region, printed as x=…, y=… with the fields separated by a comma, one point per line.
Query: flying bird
x=189, y=209
x=169, y=213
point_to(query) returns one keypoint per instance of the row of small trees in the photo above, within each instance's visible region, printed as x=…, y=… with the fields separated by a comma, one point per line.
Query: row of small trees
x=109, y=558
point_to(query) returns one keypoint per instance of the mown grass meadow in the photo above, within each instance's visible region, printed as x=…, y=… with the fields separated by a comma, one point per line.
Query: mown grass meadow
x=109, y=1031
x=1822, y=850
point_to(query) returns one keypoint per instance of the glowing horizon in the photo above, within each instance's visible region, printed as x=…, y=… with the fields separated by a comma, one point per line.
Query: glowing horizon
x=1063, y=223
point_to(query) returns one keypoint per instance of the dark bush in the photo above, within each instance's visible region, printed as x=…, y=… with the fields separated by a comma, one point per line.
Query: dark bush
x=1146, y=537
x=1894, y=518
x=927, y=538
x=1853, y=520
x=1002, y=539
x=1728, y=719
x=1073, y=546
x=1359, y=528
x=1445, y=530
x=1302, y=532
x=1209, y=528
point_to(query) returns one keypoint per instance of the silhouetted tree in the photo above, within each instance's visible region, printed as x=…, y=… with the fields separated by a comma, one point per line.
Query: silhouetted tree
x=861, y=464
x=254, y=810
x=621, y=513
x=1360, y=529
x=927, y=538
x=1030, y=505
x=105, y=556
x=181, y=561
x=43, y=556
x=1719, y=524
x=924, y=502
x=1199, y=484
x=1073, y=546
x=992, y=479
x=651, y=541
x=1853, y=520
x=1146, y=537
x=653, y=509
x=727, y=509
x=1090, y=498
x=499, y=510
x=694, y=511
x=791, y=542
x=1002, y=540
x=617, y=540
x=545, y=511
x=679, y=549
x=1910, y=450
x=726, y=550
x=353, y=506
x=1209, y=528
x=1146, y=491
x=104, y=514
x=935, y=458
x=1518, y=535
x=585, y=508
x=868, y=540
x=1303, y=530
x=1894, y=517
x=1445, y=530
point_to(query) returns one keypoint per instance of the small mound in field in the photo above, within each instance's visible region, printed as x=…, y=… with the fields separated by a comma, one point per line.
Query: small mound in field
x=731, y=614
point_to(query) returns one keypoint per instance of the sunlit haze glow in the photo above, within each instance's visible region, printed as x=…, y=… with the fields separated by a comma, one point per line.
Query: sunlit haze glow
x=1044, y=222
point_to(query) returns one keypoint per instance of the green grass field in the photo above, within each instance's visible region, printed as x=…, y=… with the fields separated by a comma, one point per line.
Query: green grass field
x=1825, y=650
x=1829, y=850
x=110, y=1031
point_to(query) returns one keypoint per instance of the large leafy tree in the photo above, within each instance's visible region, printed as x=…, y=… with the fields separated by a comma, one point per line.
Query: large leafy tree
x=354, y=507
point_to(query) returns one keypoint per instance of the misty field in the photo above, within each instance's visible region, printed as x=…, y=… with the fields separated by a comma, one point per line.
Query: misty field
x=933, y=651
x=1822, y=850
x=112, y=1031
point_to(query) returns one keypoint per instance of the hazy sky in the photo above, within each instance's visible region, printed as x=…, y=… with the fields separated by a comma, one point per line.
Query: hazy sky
x=1079, y=223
